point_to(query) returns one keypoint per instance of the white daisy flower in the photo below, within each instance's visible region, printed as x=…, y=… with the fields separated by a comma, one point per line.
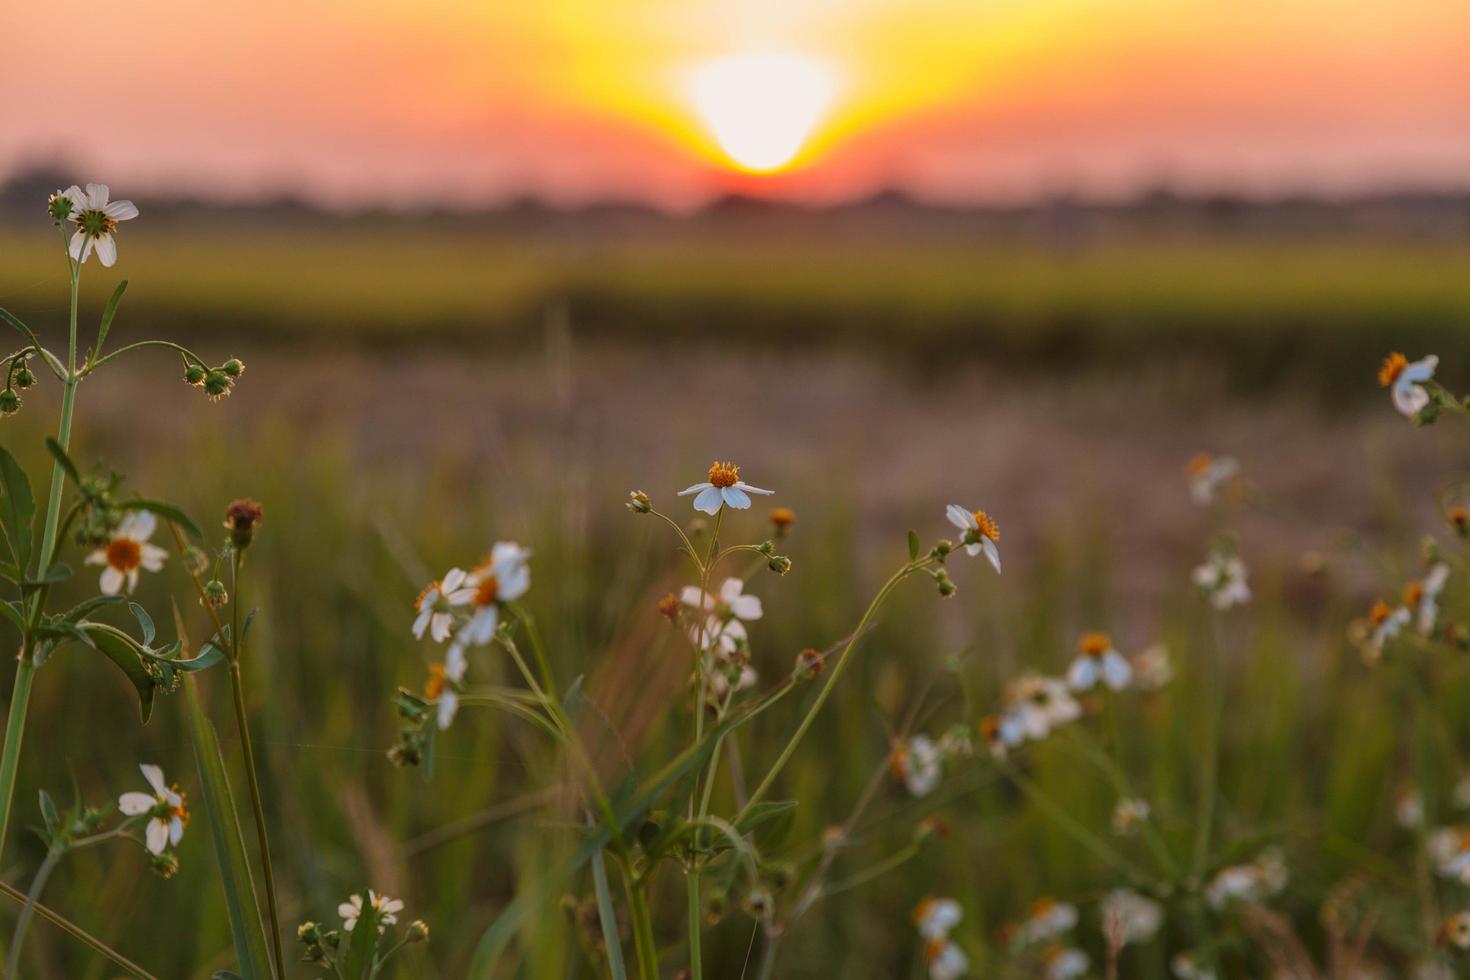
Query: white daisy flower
x=1152, y=669
x=917, y=764
x=1449, y=849
x=726, y=609
x=720, y=668
x=444, y=682
x=722, y=488
x=1048, y=919
x=96, y=219
x=1097, y=660
x=387, y=909
x=437, y=602
x=1034, y=706
x=127, y=552
x=999, y=737
x=1128, y=917
x=981, y=533
x=1384, y=623
x=167, y=806
x=1405, y=380
x=503, y=577
x=1456, y=929
x=1129, y=814
x=946, y=960
x=935, y=917
x=1252, y=882
x=1223, y=578
x=1207, y=473
x=1064, y=963
x=1421, y=597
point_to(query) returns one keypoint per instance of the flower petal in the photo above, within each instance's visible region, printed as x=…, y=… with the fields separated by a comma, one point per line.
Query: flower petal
x=735, y=498
x=154, y=775
x=121, y=210
x=157, y=835
x=742, y=485
x=135, y=803
x=709, y=500
x=695, y=488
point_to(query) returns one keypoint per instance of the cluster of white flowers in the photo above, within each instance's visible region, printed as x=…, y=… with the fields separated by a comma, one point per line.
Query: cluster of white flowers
x=166, y=808
x=127, y=552
x=387, y=910
x=1129, y=918
x=718, y=632
x=1222, y=577
x=1419, y=607
x=1254, y=881
x=1207, y=474
x=934, y=918
x=464, y=608
x=1449, y=849
x=1046, y=923
x=918, y=763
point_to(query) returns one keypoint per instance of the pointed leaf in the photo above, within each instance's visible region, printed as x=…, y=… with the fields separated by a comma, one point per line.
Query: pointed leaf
x=241, y=904
x=63, y=460
x=58, y=572
x=608, y=918
x=109, y=313
x=145, y=621
x=124, y=651
x=362, y=943
x=17, y=509
x=49, y=814
x=913, y=545
x=81, y=609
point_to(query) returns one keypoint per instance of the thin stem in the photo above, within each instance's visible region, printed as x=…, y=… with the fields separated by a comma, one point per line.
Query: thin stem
x=237, y=687
x=77, y=932
x=643, y=940
x=188, y=354
x=696, y=943
x=826, y=691
x=23, y=921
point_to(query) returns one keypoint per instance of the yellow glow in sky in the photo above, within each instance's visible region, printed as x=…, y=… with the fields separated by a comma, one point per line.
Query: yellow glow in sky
x=761, y=106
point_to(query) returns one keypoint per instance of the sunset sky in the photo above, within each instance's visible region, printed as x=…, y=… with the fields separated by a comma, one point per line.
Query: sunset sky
x=671, y=101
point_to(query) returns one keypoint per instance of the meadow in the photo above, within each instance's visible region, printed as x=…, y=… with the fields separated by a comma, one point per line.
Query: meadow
x=407, y=401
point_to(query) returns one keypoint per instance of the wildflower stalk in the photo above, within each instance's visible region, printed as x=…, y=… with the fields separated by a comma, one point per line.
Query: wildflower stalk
x=826, y=691
x=237, y=687
x=696, y=951
x=23, y=921
x=26, y=666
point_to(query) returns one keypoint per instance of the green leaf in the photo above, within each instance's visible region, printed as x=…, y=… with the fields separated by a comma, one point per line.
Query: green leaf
x=608, y=917
x=75, y=613
x=169, y=513
x=145, y=621
x=109, y=313
x=63, y=460
x=58, y=572
x=241, y=904
x=17, y=509
x=17, y=323
x=362, y=943
x=764, y=813
x=126, y=652
x=11, y=611
x=913, y=545
x=207, y=658
x=49, y=814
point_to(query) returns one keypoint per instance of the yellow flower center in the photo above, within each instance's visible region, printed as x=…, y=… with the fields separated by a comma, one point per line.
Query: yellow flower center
x=988, y=527
x=932, y=949
x=181, y=809
x=434, y=686
x=1459, y=516
x=724, y=474
x=990, y=728
x=898, y=762
x=922, y=910
x=488, y=589
x=1094, y=644
x=124, y=554
x=1413, y=593
x=95, y=223
x=1042, y=907
x=1379, y=613
x=781, y=517
x=1199, y=464
x=1393, y=366
x=431, y=587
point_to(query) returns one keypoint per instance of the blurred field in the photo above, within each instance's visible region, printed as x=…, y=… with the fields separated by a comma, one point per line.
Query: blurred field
x=1259, y=306
x=376, y=472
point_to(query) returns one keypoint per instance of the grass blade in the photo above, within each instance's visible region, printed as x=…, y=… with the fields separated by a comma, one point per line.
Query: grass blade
x=608, y=917
x=229, y=845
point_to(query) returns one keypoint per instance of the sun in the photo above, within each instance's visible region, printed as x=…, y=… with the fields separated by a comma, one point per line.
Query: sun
x=761, y=106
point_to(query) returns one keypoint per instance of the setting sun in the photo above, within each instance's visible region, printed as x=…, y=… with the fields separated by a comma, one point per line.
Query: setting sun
x=761, y=107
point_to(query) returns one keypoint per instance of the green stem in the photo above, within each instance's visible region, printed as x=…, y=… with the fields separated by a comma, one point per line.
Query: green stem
x=643, y=940
x=23, y=922
x=186, y=352
x=237, y=687
x=78, y=933
x=826, y=691
x=696, y=944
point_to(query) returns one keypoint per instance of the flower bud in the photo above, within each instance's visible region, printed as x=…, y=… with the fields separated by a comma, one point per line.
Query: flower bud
x=779, y=564
x=309, y=932
x=165, y=865
x=810, y=663
x=217, y=384
x=9, y=402
x=242, y=517
x=60, y=207
x=194, y=374
x=233, y=368
x=418, y=931
x=24, y=378
x=668, y=607
x=638, y=502
x=782, y=518
x=215, y=595
x=1459, y=519
x=942, y=549
x=945, y=583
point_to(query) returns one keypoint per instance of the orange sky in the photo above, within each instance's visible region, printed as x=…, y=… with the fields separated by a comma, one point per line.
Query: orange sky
x=575, y=99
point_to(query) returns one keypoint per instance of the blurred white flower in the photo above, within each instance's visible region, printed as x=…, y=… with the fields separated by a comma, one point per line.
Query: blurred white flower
x=1064, y=963
x=437, y=602
x=1449, y=849
x=1151, y=668
x=127, y=552
x=1128, y=917
x=1048, y=919
x=96, y=219
x=917, y=764
x=1035, y=705
x=1128, y=815
x=1384, y=623
x=1456, y=929
x=444, y=682
x=1408, y=807
x=387, y=909
x=503, y=577
x=1097, y=660
x=1405, y=380
x=166, y=804
x=935, y=917
x=1421, y=597
x=1185, y=967
x=1206, y=473
x=1251, y=882
x=722, y=488
x=946, y=960
x=1223, y=578
x=721, y=667
x=981, y=533
x=727, y=608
